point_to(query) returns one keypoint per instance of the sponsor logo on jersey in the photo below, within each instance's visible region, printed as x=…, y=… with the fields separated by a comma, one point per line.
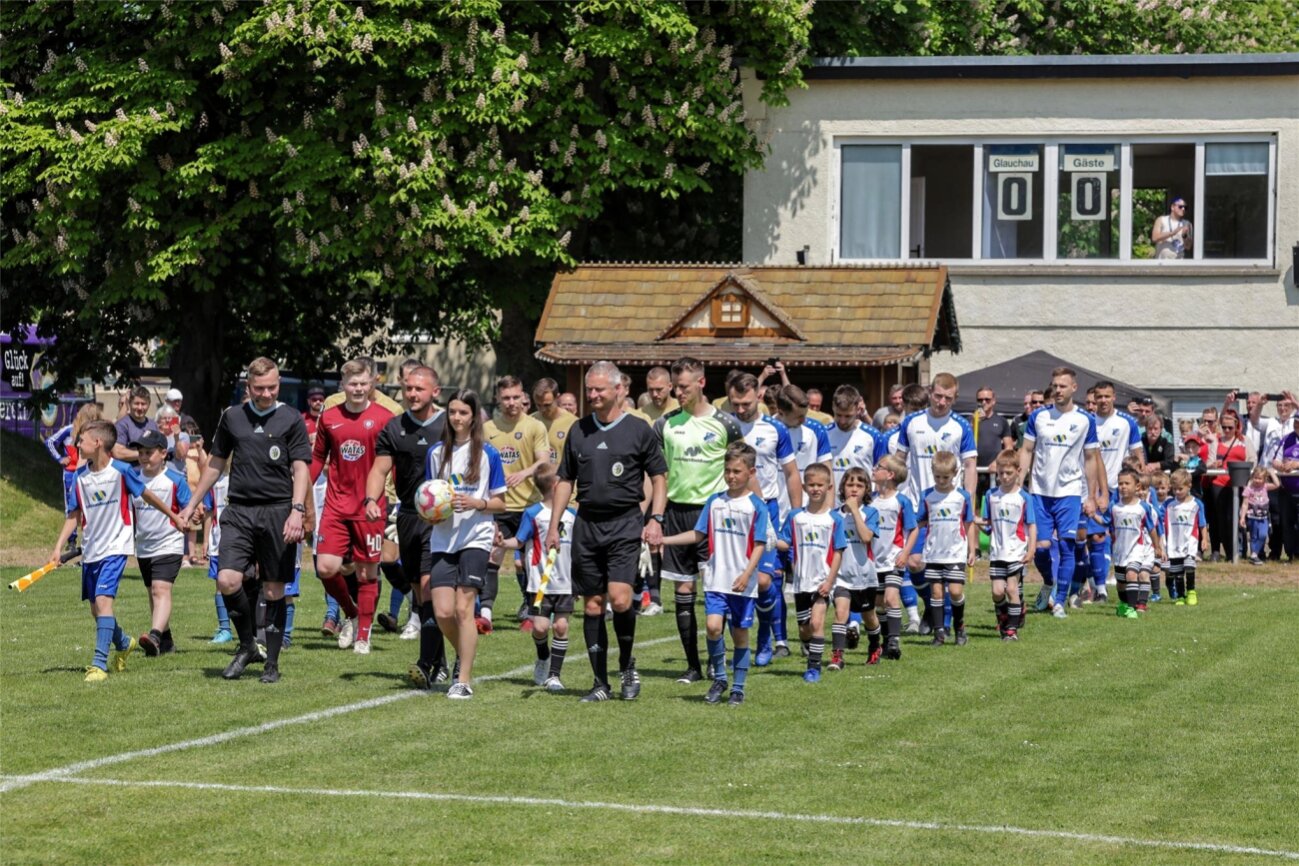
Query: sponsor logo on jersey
x=842, y=463
x=274, y=452
x=351, y=450
x=944, y=512
x=812, y=538
x=710, y=437
x=561, y=434
x=616, y=469
x=510, y=455
x=602, y=447
x=518, y=434
x=98, y=496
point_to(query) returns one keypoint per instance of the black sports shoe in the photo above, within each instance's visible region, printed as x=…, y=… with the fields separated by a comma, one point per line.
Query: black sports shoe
x=522, y=613
x=151, y=645
x=737, y=698
x=716, y=691
x=244, y=657
x=630, y=683
x=388, y=623
x=854, y=636
x=940, y=638
x=420, y=676
x=599, y=692
x=271, y=674
x=893, y=649
x=441, y=675
x=691, y=676
x=961, y=638
x=169, y=645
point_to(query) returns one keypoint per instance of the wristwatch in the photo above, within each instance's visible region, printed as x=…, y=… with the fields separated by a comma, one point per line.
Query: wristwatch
x=300, y=508
x=367, y=500
x=657, y=517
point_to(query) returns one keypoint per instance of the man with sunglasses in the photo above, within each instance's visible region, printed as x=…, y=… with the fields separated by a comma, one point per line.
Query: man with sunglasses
x=993, y=435
x=1033, y=401
x=1171, y=233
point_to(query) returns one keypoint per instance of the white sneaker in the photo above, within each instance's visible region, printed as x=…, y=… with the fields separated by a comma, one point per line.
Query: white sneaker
x=652, y=609
x=460, y=692
x=913, y=627
x=411, y=631
x=361, y=648
x=539, y=671
x=347, y=634
x=1058, y=612
x=553, y=684
x=485, y=613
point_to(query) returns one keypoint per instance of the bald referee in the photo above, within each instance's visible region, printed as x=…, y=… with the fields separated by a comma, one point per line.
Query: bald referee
x=608, y=454
x=264, y=443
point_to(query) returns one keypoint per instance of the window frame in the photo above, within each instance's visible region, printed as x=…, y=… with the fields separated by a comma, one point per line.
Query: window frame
x=1051, y=145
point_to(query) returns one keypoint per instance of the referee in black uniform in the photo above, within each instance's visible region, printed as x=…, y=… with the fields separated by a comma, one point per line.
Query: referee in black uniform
x=403, y=445
x=265, y=445
x=609, y=454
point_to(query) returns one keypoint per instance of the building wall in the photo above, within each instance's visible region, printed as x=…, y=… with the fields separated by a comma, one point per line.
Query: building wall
x=1190, y=326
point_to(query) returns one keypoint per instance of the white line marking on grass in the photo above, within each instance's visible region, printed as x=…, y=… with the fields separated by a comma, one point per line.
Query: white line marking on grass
x=693, y=811
x=10, y=783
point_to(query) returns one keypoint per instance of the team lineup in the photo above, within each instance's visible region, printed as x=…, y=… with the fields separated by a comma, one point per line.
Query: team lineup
x=748, y=499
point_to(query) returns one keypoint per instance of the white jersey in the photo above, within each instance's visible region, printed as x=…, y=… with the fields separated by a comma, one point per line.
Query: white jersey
x=770, y=438
x=810, y=446
x=1183, y=523
x=532, y=536
x=734, y=527
x=858, y=446
x=897, y=517
x=471, y=528
x=813, y=540
x=948, y=517
x=215, y=500
x=1060, y=442
x=891, y=441
x=1134, y=528
x=1118, y=434
x=103, y=499
x=155, y=535
x=1008, y=515
x=921, y=435
x=857, y=568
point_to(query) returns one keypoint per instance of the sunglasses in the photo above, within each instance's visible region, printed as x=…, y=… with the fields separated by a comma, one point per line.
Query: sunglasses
x=985, y=399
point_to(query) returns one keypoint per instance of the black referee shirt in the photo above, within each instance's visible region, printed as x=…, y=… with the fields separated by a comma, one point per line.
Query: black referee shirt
x=407, y=442
x=609, y=464
x=260, y=450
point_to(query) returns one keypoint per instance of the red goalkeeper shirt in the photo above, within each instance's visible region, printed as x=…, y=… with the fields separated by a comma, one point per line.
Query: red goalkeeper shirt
x=345, y=440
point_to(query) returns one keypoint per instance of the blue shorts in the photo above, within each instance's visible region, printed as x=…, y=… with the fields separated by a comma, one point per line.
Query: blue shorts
x=770, y=563
x=291, y=588
x=739, y=608
x=1059, y=516
x=1098, y=525
x=102, y=577
x=213, y=566
x=69, y=479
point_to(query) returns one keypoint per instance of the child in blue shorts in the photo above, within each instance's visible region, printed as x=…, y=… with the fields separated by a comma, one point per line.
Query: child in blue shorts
x=736, y=524
x=99, y=500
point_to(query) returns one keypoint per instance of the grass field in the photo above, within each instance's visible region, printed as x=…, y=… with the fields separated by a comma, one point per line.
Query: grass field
x=1144, y=738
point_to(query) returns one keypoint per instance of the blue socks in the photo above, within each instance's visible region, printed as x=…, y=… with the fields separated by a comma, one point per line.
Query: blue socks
x=1100, y=561
x=288, y=617
x=223, y=618
x=909, y=597
x=717, y=657
x=394, y=602
x=778, y=620
x=1047, y=561
x=741, y=667
x=1064, y=577
x=104, y=627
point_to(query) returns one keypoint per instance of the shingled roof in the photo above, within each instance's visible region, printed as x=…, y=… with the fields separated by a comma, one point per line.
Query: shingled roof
x=638, y=313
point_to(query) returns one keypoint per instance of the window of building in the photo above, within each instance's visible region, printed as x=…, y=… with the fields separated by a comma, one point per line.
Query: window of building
x=730, y=312
x=988, y=201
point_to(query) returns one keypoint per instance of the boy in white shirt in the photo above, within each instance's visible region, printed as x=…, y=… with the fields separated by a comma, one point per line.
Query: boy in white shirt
x=949, y=548
x=897, y=528
x=1009, y=519
x=736, y=524
x=1136, y=544
x=552, y=598
x=1184, y=522
x=159, y=545
x=814, y=538
x=98, y=500
x=857, y=584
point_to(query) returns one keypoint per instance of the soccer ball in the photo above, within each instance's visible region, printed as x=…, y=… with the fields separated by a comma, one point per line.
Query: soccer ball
x=433, y=500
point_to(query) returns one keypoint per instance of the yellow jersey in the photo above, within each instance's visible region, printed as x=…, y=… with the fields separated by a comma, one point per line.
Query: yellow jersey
x=556, y=431
x=652, y=412
x=521, y=444
x=820, y=416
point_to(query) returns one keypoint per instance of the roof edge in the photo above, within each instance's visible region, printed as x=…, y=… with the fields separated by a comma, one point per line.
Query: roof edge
x=1054, y=66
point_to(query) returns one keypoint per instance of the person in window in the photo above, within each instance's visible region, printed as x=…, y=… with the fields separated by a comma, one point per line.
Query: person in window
x=1171, y=233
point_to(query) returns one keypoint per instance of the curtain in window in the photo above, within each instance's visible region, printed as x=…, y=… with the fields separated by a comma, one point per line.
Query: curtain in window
x=871, y=226
x=1235, y=158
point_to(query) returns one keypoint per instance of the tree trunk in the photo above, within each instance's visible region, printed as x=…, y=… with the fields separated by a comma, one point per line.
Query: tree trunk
x=198, y=363
x=515, y=348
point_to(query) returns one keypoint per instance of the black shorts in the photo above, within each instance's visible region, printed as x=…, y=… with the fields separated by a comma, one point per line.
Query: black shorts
x=254, y=535
x=859, y=600
x=682, y=562
x=163, y=569
x=1001, y=570
x=606, y=551
x=551, y=605
x=467, y=568
x=947, y=572
x=413, y=548
x=508, y=522
x=803, y=602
